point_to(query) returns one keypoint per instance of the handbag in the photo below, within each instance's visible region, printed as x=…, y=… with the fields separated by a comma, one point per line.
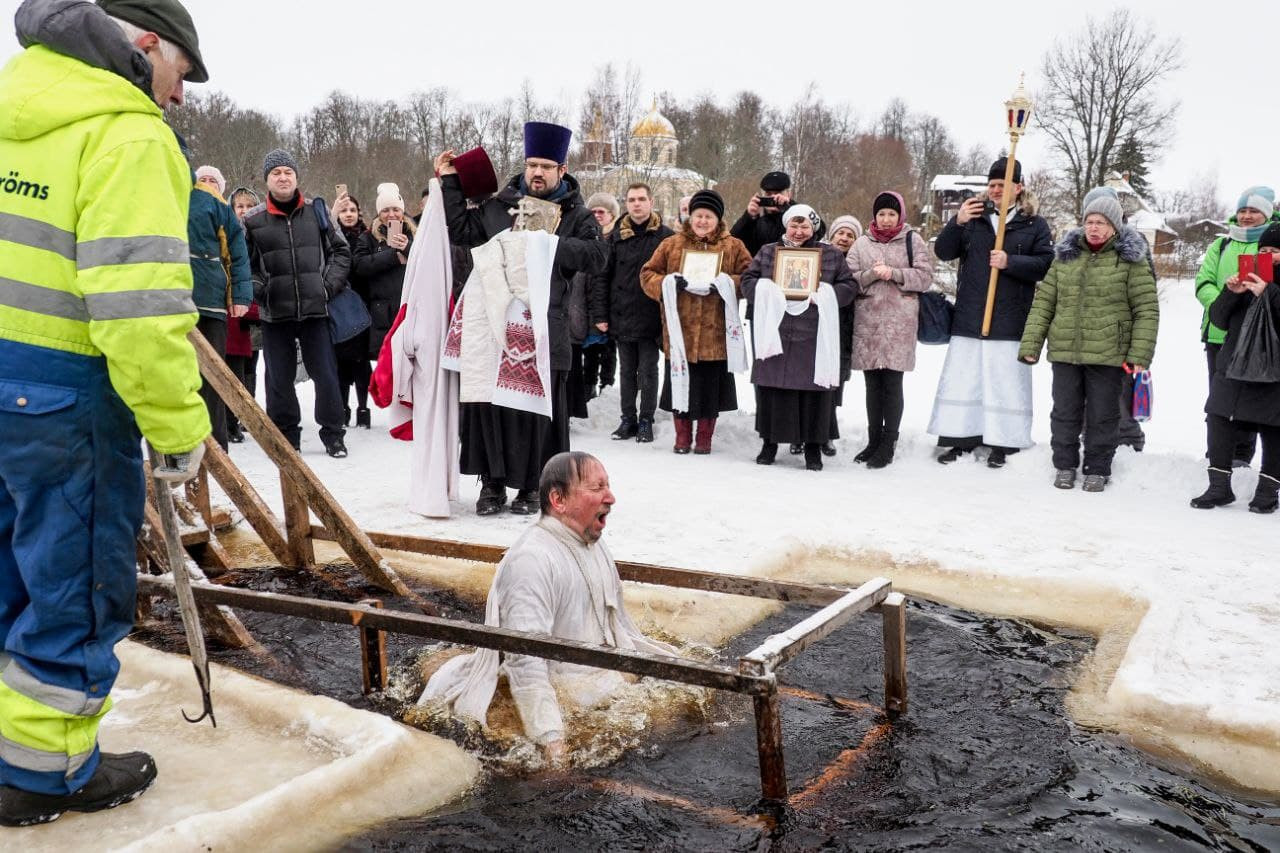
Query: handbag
x=936, y=313
x=348, y=315
x=1141, y=395
x=1257, y=354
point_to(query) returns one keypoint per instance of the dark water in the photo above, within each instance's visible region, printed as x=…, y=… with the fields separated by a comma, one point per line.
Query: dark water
x=986, y=759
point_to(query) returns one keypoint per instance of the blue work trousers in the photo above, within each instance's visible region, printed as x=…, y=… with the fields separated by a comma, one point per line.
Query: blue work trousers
x=71, y=501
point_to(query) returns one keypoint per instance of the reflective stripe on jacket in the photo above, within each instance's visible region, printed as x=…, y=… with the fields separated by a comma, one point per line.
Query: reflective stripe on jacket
x=93, y=235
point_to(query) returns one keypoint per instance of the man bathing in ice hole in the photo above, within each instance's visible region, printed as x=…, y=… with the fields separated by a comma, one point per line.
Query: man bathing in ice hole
x=558, y=578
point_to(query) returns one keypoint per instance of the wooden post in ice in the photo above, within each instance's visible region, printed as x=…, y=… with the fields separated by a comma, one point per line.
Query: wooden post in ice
x=373, y=653
x=773, y=771
x=894, y=612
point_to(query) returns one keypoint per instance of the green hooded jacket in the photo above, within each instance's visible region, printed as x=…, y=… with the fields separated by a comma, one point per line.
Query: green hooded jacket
x=1096, y=307
x=93, y=226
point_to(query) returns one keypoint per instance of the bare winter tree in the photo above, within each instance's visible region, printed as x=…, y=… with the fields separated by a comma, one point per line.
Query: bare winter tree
x=933, y=153
x=1101, y=85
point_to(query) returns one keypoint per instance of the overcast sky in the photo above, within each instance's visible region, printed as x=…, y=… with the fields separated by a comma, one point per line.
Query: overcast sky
x=944, y=58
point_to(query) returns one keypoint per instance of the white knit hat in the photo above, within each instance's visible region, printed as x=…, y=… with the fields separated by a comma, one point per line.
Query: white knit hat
x=388, y=196
x=212, y=172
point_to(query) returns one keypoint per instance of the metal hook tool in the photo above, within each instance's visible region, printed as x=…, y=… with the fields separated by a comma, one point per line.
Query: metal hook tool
x=182, y=586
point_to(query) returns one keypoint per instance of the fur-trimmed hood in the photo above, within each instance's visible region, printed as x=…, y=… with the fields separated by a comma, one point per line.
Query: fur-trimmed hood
x=1129, y=244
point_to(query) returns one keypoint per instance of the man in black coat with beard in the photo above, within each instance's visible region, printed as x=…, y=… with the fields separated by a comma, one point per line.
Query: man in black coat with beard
x=506, y=447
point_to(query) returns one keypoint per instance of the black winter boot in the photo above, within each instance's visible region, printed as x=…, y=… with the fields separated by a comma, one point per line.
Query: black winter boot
x=644, y=430
x=118, y=780
x=1267, y=496
x=526, y=502
x=873, y=440
x=493, y=497
x=364, y=418
x=812, y=456
x=627, y=429
x=1219, y=492
x=768, y=452
x=883, y=454
x=796, y=448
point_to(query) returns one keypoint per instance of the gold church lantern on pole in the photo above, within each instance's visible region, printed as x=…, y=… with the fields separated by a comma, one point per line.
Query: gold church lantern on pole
x=1018, y=115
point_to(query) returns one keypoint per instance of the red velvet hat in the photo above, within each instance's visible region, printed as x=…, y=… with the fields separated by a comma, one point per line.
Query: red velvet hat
x=475, y=173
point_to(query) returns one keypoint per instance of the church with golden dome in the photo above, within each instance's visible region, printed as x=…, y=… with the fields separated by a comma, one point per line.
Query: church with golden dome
x=652, y=151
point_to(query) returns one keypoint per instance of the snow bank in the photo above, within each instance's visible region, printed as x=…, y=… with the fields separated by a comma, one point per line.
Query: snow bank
x=1187, y=602
x=303, y=770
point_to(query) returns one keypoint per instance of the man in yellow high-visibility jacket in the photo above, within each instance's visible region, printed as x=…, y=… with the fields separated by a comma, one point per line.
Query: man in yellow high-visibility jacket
x=95, y=304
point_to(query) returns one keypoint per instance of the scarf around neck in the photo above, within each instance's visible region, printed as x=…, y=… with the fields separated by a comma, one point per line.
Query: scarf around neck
x=1247, y=235
x=562, y=189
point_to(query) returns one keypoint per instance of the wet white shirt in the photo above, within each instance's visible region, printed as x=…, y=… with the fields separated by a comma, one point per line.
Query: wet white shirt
x=552, y=582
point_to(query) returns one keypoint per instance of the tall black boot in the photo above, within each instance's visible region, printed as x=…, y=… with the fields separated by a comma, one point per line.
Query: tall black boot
x=1219, y=492
x=1267, y=496
x=874, y=434
x=883, y=454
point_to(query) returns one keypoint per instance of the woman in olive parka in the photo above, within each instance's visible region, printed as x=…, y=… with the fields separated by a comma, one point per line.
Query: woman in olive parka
x=1098, y=308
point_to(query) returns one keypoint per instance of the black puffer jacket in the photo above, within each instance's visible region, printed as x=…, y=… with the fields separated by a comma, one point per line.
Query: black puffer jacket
x=1253, y=402
x=616, y=297
x=766, y=228
x=579, y=249
x=297, y=267
x=1029, y=245
x=377, y=269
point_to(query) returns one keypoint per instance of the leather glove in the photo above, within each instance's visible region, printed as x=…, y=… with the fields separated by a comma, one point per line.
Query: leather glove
x=681, y=282
x=177, y=468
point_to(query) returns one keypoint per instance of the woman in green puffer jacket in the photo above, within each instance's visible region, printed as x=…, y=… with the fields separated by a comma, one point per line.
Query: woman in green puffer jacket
x=1097, y=306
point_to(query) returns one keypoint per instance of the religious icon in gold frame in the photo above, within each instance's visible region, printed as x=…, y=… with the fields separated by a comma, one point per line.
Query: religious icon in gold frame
x=797, y=271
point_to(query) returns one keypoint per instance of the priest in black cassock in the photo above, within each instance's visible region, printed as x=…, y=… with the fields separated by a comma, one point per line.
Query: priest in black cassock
x=507, y=447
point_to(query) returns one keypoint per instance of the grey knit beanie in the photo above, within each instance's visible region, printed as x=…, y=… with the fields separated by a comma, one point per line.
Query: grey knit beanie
x=277, y=158
x=1105, y=204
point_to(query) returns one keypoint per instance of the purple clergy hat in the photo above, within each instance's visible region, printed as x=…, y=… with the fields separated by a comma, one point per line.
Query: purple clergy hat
x=546, y=141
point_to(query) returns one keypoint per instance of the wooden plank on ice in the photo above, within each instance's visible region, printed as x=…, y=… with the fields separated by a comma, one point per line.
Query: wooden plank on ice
x=780, y=648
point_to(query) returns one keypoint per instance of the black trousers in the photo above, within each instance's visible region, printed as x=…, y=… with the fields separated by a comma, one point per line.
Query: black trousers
x=245, y=367
x=1246, y=436
x=214, y=330
x=638, y=372
x=1084, y=399
x=355, y=372
x=278, y=349
x=884, y=402
x=1224, y=437
x=599, y=364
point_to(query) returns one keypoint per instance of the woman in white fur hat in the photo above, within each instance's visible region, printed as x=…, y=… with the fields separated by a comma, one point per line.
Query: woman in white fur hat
x=378, y=262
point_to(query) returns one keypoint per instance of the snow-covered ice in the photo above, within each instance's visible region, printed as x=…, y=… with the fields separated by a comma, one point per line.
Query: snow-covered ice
x=1198, y=674
x=302, y=770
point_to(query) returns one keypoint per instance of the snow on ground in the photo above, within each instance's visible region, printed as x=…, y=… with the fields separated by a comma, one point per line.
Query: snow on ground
x=1202, y=660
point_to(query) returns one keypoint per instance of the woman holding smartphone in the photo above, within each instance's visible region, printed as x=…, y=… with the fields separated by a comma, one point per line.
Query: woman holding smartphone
x=352, y=355
x=1234, y=405
x=378, y=262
